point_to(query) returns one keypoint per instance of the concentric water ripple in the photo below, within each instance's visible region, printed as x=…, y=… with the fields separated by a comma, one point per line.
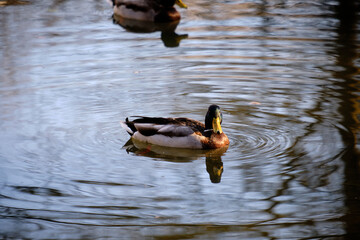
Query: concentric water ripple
x=259, y=141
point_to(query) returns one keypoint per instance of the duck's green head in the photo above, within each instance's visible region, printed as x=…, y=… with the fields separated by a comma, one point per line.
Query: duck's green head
x=213, y=119
x=180, y=3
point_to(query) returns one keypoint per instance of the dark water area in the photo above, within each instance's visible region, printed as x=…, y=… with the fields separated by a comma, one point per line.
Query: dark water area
x=285, y=74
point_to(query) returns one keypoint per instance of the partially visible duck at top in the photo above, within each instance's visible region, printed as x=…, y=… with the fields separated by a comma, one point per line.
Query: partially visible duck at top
x=148, y=10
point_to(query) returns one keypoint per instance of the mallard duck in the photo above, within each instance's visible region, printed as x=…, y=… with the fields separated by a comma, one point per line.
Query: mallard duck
x=148, y=10
x=179, y=132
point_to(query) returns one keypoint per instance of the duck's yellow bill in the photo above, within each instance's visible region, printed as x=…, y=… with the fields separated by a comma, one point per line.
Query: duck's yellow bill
x=216, y=125
x=181, y=4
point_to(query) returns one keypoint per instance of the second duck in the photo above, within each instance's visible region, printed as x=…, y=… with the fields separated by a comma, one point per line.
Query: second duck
x=148, y=10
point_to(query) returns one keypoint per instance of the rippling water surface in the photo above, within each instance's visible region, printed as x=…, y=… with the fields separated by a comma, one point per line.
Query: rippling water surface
x=284, y=73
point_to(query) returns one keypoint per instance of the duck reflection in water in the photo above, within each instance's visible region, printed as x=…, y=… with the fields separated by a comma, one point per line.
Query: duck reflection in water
x=214, y=164
x=168, y=35
x=215, y=168
x=146, y=16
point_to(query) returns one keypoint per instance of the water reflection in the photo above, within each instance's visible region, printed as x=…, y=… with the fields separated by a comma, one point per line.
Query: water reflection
x=12, y=2
x=168, y=35
x=346, y=52
x=214, y=164
x=215, y=167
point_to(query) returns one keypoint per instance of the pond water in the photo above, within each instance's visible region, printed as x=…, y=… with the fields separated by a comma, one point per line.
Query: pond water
x=283, y=72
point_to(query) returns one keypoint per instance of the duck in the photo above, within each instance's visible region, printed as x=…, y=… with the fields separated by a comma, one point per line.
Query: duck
x=148, y=10
x=179, y=132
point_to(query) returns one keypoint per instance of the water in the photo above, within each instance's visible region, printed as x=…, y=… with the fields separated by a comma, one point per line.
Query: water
x=284, y=73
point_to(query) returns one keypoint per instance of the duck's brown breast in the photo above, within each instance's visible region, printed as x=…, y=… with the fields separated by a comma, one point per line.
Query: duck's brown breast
x=167, y=15
x=216, y=141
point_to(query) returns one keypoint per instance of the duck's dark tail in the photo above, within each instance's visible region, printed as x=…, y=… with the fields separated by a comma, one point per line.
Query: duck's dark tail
x=128, y=126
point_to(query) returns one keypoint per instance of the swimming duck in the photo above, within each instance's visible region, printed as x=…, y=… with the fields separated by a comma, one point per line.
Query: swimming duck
x=180, y=132
x=148, y=10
